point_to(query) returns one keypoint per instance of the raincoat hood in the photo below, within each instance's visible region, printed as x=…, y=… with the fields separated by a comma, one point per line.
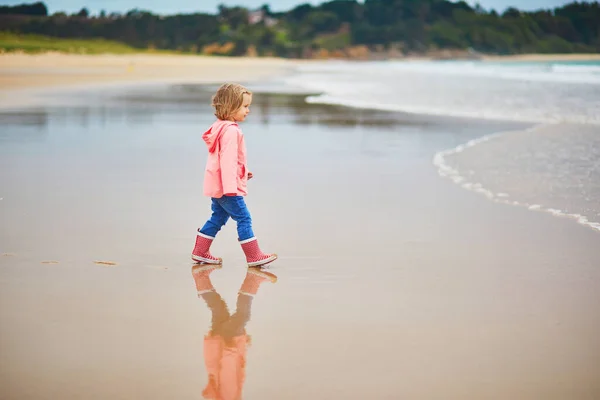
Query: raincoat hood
x=212, y=135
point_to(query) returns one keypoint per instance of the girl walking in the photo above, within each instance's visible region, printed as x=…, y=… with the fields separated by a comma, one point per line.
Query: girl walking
x=226, y=177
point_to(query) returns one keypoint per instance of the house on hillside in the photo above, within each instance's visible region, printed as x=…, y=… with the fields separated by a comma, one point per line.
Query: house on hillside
x=258, y=16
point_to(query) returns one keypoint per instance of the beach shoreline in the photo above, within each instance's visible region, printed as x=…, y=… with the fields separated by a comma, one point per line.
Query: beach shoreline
x=543, y=57
x=50, y=70
x=453, y=174
x=23, y=77
x=380, y=259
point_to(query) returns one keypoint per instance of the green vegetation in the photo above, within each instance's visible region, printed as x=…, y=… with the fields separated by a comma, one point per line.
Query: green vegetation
x=339, y=28
x=38, y=44
x=28, y=43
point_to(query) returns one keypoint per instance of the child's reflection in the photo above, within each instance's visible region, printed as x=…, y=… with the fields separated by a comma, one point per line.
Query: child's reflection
x=226, y=342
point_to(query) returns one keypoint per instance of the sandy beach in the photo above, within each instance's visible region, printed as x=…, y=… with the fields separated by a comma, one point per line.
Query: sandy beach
x=55, y=69
x=23, y=75
x=23, y=71
x=392, y=282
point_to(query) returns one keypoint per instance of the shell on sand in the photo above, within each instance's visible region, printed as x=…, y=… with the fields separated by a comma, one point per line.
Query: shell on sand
x=112, y=263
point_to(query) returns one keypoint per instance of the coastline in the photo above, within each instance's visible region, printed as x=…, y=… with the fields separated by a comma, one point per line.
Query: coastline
x=493, y=297
x=47, y=70
x=459, y=178
x=543, y=57
x=24, y=76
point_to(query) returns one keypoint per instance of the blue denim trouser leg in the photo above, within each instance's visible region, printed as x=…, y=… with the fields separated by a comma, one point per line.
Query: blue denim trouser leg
x=216, y=221
x=225, y=207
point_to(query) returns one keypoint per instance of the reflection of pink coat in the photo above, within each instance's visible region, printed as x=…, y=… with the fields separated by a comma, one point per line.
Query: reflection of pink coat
x=226, y=168
x=226, y=367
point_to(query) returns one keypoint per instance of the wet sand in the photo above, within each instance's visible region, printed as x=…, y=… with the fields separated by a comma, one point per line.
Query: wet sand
x=392, y=282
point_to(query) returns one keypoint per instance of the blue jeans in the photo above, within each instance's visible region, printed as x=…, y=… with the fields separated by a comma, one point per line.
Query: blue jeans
x=225, y=207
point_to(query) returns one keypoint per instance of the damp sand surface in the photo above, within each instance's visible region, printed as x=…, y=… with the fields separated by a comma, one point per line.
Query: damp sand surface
x=392, y=282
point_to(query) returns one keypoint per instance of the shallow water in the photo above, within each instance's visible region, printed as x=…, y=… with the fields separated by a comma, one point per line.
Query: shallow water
x=554, y=168
x=519, y=91
x=110, y=159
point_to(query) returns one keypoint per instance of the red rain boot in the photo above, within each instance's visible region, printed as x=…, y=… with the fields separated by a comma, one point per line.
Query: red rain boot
x=254, y=277
x=201, y=251
x=254, y=256
x=201, y=274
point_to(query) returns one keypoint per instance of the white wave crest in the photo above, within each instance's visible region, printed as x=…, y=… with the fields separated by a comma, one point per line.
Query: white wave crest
x=446, y=171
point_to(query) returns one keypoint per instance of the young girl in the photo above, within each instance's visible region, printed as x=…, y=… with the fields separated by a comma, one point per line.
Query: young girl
x=226, y=177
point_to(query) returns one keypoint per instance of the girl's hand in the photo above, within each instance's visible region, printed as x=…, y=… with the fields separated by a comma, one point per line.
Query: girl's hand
x=250, y=175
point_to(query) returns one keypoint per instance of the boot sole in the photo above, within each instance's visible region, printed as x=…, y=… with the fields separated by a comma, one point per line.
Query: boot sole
x=206, y=260
x=263, y=262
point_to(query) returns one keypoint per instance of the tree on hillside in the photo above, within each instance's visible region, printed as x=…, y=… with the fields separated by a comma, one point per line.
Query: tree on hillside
x=37, y=9
x=83, y=13
x=334, y=26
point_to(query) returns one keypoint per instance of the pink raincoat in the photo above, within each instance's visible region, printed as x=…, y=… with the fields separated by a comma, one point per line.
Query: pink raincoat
x=226, y=167
x=226, y=367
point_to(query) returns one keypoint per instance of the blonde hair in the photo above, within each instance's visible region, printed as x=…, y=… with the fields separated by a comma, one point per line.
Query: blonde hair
x=228, y=99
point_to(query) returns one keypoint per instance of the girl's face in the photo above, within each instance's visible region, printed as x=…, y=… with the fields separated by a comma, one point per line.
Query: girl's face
x=240, y=114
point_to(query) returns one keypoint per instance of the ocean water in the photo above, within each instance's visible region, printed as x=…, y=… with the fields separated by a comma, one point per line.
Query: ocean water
x=553, y=167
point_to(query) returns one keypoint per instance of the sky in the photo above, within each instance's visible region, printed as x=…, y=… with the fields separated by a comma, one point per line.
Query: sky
x=210, y=6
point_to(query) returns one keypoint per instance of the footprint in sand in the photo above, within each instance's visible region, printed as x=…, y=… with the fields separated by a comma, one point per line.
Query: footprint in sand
x=50, y=262
x=107, y=263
